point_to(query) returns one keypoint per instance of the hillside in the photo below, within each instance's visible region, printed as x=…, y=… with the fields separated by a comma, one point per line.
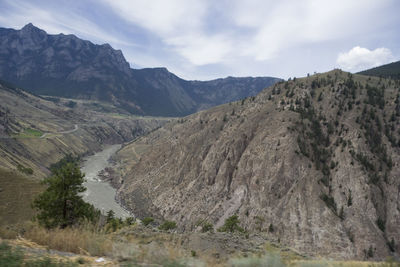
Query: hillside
x=391, y=70
x=66, y=66
x=35, y=132
x=311, y=163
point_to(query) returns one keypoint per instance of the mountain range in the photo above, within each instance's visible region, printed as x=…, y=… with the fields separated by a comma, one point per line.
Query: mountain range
x=66, y=66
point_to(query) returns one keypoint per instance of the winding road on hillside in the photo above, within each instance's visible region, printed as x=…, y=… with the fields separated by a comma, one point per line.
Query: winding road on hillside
x=44, y=135
x=76, y=127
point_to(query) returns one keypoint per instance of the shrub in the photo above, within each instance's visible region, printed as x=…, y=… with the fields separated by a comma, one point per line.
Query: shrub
x=71, y=104
x=370, y=252
x=147, y=220
x=392, y=245
x=349, y=199
x=271, y=228
x=207, y=227
x=381, y=224
x=330, y=202
x=110, y=216
x=231, y=225
x=129, y=220
x=341, y=213
x=167, y=225
x=25, y=170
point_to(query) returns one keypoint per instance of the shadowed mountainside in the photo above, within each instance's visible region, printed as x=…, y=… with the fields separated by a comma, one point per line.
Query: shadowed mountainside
x=391, y=70
x=66, y=66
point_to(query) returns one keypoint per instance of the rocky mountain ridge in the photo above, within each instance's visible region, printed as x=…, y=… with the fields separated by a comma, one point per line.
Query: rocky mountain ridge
x=313, y=163
x=66, y=66
x=391, y=70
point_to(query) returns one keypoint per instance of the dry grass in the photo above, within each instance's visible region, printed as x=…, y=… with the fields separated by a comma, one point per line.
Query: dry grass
x=17, y=194
x=82, y=240
x=327, y=263
x=154, y=249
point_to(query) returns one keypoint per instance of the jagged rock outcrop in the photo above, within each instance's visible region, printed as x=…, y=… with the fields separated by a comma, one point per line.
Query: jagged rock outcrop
x=312, y=163
x=64, y=65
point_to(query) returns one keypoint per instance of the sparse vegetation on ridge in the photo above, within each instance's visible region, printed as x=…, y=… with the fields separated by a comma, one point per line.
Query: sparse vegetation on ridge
x=300, y=147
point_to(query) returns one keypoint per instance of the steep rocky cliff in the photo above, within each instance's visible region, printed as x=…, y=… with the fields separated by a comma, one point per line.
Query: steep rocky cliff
x=64, y=65
x=313, y=163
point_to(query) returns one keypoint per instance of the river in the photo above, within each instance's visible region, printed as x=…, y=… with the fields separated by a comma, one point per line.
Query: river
x=99, y=193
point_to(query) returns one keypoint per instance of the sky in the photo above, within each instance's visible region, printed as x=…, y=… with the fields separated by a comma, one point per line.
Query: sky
x=202, y=40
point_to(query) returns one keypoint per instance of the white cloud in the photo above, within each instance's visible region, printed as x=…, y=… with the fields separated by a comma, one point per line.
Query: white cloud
x=286, y=24
x=160, y=16
x=258, y=29
x=200, y=49
x=56, y=21
x=360, y=58
x=205, y=37
x=180, y=25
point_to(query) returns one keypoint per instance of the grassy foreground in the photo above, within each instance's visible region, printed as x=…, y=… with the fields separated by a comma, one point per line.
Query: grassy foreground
x=137, y=245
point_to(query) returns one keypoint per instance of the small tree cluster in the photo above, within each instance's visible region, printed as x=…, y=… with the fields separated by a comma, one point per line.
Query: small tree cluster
x=167, y=225
x=231, y=225
x=113, y=223
x=147, y=220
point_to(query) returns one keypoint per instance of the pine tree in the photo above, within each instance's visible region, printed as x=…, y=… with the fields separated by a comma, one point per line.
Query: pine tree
x=110, y=216
x=61, y=204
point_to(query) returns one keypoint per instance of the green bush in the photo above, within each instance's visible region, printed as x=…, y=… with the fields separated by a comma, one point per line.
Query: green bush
x=207, y=227
x=271, y=228
x=329, y=201
x=147, y=220
x=110, y=216
x=381, y=224
x=129, y=220
x=167, y=225
x=231, y=225
x=25, y=170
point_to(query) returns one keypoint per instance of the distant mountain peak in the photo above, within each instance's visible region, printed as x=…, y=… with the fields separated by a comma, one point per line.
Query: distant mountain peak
x=29, y=30
x=30, y=27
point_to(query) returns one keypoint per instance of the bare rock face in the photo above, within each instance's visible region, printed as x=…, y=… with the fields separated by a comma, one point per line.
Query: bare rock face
x=314, y=162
